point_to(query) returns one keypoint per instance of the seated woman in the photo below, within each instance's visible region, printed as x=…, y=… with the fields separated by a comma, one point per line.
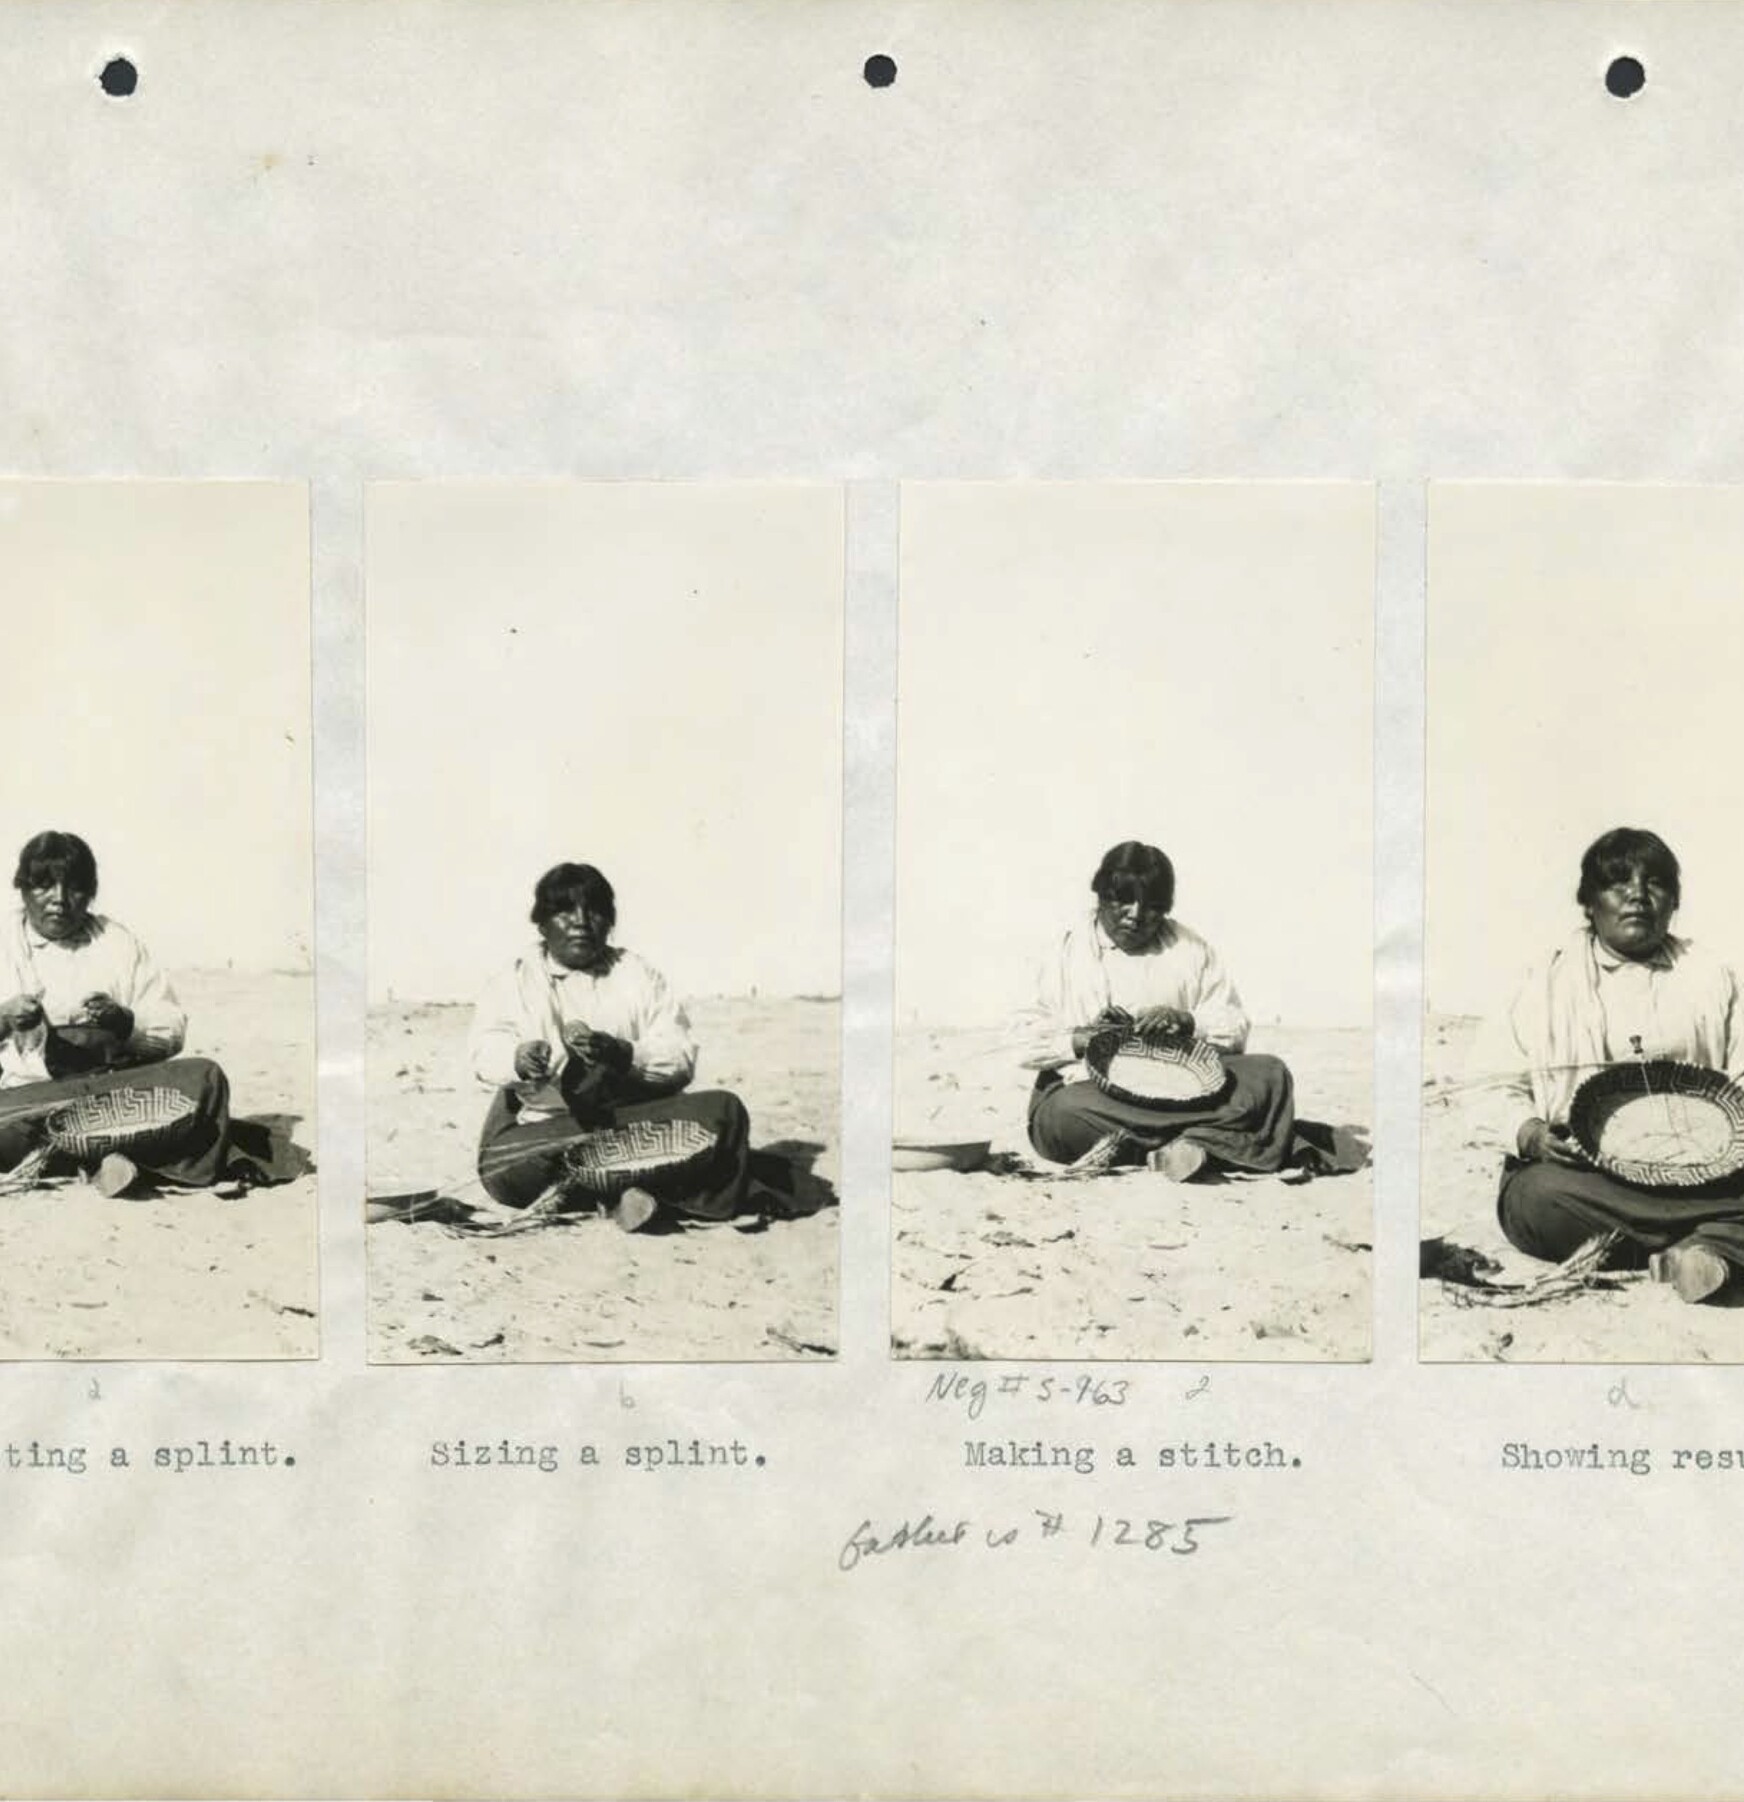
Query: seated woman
x=579, y=1034
x=84, y=1008
x=1621, y=978
x=1129, y=964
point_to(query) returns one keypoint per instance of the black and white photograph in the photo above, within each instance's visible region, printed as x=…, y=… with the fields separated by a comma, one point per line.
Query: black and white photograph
x=605, y=921
x=157, y=1018
x=1134, y=922
x=1583, y=1136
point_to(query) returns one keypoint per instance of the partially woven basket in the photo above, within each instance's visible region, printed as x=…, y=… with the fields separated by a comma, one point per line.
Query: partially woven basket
x=1660, y=1124
x=125, y=1119
x=658, y=1154
x=1155, y=1073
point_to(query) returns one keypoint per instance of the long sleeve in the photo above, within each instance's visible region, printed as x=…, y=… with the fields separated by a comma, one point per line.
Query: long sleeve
x=1733, y=1063
x=160, y=1023
x=19, y=1062
x=1498, y=1083
x=1218, y=1014
x=499, y=1026
x=1041, y=1034
x=16, y=975
x=664, y=1046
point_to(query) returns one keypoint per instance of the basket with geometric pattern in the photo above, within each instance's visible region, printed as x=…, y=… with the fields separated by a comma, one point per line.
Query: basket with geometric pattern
x=657, y=1154
x=1157, y=1073
x=1660, y=1124
x=127, y=1119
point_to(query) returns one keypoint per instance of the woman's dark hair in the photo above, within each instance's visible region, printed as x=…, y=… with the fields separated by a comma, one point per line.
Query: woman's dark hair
x=566, y=883
x=1131, y=868
x=52, y=854
x=1615, y=854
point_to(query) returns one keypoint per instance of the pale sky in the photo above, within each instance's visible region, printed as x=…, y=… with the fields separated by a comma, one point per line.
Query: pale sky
x=1188, y=664
x=1585, y=648
x=157, y=704
x=643, y=676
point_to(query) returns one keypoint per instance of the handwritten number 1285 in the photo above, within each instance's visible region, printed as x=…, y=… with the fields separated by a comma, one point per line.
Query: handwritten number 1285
x=1179, y=1537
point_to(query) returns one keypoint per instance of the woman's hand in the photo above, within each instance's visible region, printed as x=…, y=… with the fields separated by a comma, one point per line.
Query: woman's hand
x=107, y=1014
x=601, y=1048
x=1156, y=1023
x=589, y=1047
x=1109, y=1018
x=532, y=1060
x=20, y=1013
x=1541, y=1143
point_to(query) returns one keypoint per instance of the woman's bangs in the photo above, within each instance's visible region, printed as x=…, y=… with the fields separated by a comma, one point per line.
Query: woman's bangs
x=1125, y=887
x=1616, y=869
x=40, y=872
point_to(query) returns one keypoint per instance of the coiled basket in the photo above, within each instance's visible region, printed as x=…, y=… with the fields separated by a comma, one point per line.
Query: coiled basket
x=126, y=1119
x=1660, y=1124
x=657, y=1154
x=1155, y=1073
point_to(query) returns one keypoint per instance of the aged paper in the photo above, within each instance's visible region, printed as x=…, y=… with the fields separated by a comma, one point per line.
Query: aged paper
x=519, y=243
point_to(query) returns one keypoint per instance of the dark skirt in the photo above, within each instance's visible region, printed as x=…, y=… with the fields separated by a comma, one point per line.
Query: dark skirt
x=1548, y=1211
x=191, y=1153
x=518, y=1162
x=1250, y=1126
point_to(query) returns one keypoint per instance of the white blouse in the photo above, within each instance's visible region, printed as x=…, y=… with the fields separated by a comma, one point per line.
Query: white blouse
x=104, y=959
x=1087, y=972
x=537, y=997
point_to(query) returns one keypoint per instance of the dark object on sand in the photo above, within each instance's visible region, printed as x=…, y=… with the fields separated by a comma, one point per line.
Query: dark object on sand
x=411, y=1204
x=1660, y=1124
x=939, y=1154
x=1155, y=1073
x=1469, y=1277
x=1454, y=1263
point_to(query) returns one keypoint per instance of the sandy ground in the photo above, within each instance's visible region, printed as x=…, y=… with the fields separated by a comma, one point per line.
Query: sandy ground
x=1012, y=1262
x=188, y=1274
x=754, y=1288
x=1632, y=1322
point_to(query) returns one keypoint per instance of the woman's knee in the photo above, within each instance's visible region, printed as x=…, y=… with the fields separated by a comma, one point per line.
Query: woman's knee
x=1060, y=1127
x=725, y=1111
x=1270, y=1071
x=204, y=1075
x=509, y=1186
x=514, y=1174
x=1535, y=1210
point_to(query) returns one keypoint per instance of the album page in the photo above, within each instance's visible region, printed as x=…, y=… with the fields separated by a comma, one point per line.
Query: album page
x=872, y=920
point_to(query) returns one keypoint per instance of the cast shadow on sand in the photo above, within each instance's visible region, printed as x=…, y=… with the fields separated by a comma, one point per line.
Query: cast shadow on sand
x=1320, y=1150
x=263, y=1154
x=787, y=1171
x=784, y=1185
x=1472, y=1278
x=269, y=1143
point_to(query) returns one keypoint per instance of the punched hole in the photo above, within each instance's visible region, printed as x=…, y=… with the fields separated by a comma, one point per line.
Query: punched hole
x=1625, y=78
x=119, y=78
